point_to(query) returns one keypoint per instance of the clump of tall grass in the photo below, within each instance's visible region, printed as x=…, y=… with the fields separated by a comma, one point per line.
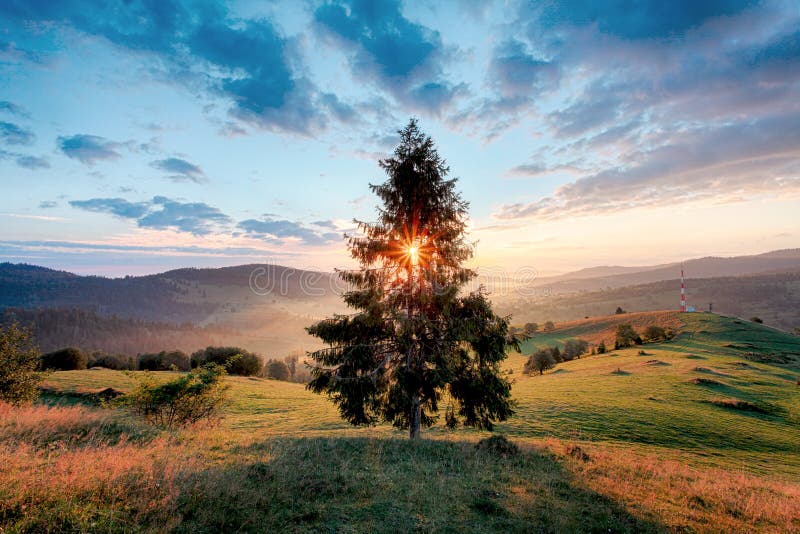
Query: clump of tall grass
x=43, y=426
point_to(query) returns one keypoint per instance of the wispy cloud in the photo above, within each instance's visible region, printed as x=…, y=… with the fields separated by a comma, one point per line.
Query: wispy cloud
x=33, y=162
x=161, y=213
x=115, y=206
x=13, y=109
x=712, y=163
x=193, y=217
x=13, y=134
x=88, y=149
x=33, y=217
x=180, y=170
x=270, y=228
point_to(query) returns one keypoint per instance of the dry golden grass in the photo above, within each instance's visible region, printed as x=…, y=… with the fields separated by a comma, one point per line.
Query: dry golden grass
x=683, y=497
x=597, y=329
x=57, y=476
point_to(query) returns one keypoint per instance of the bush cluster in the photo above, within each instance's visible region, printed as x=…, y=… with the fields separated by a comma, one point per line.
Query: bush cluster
x=546, y=358
x=116, y=362
x=626, y=337
x=173, y=360
x=573, y=348
x=192, y=397
x=68, y=359
x=19, y=365
x=236, y=361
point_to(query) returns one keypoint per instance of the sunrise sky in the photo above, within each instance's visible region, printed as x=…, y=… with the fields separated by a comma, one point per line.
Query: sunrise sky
x=141, y=136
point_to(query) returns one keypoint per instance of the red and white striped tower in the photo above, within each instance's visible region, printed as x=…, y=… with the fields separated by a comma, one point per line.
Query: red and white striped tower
x=683, y=293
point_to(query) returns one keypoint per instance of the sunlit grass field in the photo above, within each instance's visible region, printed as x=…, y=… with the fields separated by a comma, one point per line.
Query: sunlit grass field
x=693, y=435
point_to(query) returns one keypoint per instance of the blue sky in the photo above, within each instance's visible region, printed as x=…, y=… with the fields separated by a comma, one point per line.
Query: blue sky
x=139, y=136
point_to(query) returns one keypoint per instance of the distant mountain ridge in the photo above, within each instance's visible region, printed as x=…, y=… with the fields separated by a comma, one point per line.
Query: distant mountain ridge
x=267, y=307
x=180, y=295
x=603, y=277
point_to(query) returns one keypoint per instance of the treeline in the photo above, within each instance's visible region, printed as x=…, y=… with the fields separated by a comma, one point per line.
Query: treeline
x=57, y=328
x=546, y=358
x=235, y=360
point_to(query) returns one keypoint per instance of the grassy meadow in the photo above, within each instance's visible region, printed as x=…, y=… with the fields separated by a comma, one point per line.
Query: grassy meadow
x=699, y=434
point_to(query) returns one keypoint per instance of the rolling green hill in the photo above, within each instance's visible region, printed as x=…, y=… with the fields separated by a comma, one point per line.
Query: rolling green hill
x=663, y=399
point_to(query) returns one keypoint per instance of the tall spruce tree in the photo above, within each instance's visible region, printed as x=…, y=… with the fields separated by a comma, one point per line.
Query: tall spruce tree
x=418, y=341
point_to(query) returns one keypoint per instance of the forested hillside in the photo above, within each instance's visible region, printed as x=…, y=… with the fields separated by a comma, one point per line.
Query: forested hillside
x=54, y=329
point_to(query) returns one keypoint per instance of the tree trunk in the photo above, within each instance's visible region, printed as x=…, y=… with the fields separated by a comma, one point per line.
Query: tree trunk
x=416, y=415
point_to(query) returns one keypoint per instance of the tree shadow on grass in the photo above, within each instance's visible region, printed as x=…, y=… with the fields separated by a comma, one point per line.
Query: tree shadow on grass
x=393, y=485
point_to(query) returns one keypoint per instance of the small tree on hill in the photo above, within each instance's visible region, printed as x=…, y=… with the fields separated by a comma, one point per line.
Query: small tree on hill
x=291, y=361
x=19, y=364
x=601, y=348
x=654, y=334
x=278, y=370
x=620, y=311
x=415, y=339
x=540, y=361
x=573, y=348
x=549, y=326
x=530, y=328
x=626, y=337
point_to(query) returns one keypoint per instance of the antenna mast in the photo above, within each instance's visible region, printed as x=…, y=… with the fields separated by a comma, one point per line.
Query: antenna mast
x=683, y=292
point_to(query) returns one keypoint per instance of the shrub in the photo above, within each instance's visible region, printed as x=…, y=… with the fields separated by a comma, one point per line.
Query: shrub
x=573, y=348
x=549, y=326
x=620, y=311
x=164, y=361
x=278, y=370
x=302, y=375
x=237, y=361
x=758, y=320
x=117, y=362
x=541, y=361
x=626, y=337
x=68, y=359
x=498, y=445
x=654, y=333
x=19, y=364
x=188, y=399
x=530, y=328
x=601, y=348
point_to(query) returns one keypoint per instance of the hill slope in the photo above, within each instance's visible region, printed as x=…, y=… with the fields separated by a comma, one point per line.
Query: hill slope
x=723, y=388
x=775, y=298
x=597, y=329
